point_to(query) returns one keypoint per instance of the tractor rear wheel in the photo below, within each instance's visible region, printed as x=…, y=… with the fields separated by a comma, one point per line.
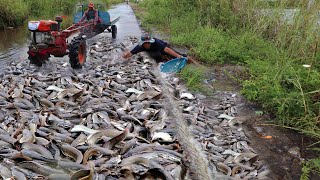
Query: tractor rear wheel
x=77, y=52
x=114, y=31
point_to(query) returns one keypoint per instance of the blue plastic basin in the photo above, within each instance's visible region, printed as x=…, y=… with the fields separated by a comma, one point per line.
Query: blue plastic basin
x=174, y=65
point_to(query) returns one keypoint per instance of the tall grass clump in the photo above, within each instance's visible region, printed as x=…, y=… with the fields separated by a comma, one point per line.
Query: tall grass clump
x=15, y=12
x=105, y=3
x=12, y=13
x=282, y=84
x=111, y=2
x=49, y=8
x=274, y=39
x=193, y=76
x=310, y=166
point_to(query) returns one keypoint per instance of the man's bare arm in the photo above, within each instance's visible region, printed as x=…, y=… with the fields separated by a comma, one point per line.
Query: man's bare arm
x=172, y=52
x=127, y=55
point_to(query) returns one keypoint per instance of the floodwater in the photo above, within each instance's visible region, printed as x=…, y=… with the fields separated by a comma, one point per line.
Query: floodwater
x=14, y=42
x=13, y=45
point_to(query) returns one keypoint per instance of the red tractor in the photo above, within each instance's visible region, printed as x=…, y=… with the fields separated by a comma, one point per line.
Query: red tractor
x=48, y=39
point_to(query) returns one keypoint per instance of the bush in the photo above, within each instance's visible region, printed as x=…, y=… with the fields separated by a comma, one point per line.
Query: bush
x=15, y=12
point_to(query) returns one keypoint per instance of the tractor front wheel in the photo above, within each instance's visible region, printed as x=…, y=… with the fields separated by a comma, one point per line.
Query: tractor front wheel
x=77, y=52
x=114, y=31
x=37, y=59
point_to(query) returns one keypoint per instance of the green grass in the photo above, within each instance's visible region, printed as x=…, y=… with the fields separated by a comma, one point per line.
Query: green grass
x=105, y=3
x=17, y=11
x=310, y=166
x=193, y=76
x=12, y=13
x=110, y=2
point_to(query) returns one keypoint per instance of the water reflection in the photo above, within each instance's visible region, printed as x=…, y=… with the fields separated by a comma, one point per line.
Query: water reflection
x=13, y=44
x=13, y=37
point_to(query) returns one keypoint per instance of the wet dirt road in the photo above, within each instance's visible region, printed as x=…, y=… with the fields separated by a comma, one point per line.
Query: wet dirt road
x=128, y=24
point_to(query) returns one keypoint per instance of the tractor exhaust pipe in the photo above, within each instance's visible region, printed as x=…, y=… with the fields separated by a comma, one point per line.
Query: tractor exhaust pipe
x=59, y=20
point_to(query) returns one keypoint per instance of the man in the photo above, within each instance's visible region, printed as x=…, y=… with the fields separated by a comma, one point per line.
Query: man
x=91, y=14
x=157, y=49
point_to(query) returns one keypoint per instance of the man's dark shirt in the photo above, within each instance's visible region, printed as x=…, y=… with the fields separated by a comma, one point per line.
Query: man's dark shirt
x=157, y=46
x=91, y=14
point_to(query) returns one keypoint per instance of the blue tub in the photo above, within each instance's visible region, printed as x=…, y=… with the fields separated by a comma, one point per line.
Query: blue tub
x=174, y=65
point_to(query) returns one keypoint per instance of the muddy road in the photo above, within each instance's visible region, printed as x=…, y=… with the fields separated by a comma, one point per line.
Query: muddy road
x=124, y=119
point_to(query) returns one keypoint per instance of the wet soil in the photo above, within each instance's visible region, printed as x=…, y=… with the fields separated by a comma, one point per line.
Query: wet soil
x=282, y=149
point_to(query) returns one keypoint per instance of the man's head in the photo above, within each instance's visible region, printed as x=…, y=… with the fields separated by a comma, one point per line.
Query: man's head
x=146, y=40
x=90, y=6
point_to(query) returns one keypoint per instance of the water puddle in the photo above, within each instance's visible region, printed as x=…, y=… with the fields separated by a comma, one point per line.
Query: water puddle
x=13, y=45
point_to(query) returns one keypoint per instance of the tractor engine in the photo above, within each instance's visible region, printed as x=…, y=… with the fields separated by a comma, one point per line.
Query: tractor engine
x=41, y=32
x=42, y=38
x=47, y=39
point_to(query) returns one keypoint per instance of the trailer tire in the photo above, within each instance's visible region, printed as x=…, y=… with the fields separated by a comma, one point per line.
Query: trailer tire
x=77, y=52
x=114, y=31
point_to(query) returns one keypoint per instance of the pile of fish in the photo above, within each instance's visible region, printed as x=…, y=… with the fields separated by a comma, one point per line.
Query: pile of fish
x=110, y=120
x=217, y=129
x=100, y=122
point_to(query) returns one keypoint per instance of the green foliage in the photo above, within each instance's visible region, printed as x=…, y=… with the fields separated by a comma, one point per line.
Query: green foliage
x=15, y=12
x=105, y=3
x=163, y=15
x=216, y=46
x=310, y=166
x=284, y=88
x=49, y=8
x=193, y=76
x=12, y=13
x=110, y=2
